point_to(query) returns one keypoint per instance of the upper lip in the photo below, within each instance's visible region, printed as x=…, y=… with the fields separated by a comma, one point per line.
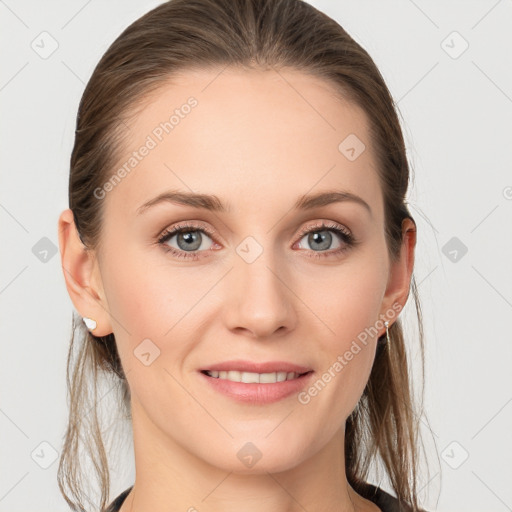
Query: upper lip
x=265, y=367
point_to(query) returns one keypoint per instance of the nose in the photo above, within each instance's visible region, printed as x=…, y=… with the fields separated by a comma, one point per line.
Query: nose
x=259, y=300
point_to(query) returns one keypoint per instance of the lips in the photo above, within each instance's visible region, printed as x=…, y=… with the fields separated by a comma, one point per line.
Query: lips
x=252, y=367
x=256, y=383
x=253, y=378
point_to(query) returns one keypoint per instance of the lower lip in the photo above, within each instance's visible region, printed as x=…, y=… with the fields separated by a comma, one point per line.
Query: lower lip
x=258, y=393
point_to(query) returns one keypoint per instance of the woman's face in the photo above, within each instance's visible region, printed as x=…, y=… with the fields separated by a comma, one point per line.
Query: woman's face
x=247, y=282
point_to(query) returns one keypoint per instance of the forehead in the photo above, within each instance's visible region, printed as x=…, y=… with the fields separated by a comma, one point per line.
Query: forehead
x=246, y=136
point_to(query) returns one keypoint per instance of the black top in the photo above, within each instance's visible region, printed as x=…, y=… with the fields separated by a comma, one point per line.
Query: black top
x=385, y=501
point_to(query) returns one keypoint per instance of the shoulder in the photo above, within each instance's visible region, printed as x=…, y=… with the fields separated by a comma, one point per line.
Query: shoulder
x=116, y=504
x=385, y=501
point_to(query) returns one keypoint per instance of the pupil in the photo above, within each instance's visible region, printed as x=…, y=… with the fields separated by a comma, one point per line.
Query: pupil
x=189, y=240
x=324, y=240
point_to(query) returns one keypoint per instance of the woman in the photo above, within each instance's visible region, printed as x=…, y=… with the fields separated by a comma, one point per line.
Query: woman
x=239, y=248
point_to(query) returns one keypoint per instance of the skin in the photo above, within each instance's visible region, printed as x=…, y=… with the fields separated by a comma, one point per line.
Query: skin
x=257, y=140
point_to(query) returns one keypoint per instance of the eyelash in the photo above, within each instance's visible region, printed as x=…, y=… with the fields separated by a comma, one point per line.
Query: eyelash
x=346, y=237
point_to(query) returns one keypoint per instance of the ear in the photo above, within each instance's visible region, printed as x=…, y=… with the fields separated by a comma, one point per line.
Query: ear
x=397, y=290
x=82, y=275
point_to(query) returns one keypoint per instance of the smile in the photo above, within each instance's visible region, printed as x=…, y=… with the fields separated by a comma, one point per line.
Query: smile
x=253, y=378
x=254, y=387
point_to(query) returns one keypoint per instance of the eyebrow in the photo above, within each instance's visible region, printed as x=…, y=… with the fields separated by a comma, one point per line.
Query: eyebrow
x=213, y=203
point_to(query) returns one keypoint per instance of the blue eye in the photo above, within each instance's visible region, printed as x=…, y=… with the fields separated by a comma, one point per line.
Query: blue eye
x=320, y=239
x=191, y=240
x=188, y=238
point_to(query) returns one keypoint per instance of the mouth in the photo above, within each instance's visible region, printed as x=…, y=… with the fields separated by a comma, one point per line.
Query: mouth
x=254, y=378
x=257, y=383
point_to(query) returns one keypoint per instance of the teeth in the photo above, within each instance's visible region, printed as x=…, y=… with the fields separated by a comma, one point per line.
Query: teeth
x=249, y=377
x=246, y=377
x=232, y=375
x=281, y=376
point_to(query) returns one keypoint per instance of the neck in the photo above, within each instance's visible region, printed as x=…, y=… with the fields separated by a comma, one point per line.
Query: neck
x=169, y=477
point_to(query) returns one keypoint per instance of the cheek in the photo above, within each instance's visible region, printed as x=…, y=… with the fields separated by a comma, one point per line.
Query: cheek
x=155, y=301
x=140, y=299
x=143, y=302
x=347, y=304
x=345, y=300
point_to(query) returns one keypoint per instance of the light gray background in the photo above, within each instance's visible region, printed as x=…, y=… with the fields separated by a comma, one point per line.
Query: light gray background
x=456, y=110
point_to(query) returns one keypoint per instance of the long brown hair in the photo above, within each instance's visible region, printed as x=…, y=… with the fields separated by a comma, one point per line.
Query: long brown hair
x=248, y=34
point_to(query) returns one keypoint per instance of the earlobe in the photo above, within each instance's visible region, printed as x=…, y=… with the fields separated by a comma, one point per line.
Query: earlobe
x=81, y=274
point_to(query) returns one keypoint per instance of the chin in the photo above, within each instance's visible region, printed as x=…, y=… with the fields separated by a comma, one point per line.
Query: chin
x=261, y=456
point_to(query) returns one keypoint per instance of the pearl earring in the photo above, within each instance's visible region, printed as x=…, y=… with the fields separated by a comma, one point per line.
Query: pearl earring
x=90, y=323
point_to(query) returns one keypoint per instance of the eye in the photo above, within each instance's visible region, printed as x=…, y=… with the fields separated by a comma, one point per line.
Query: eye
x=189, y=238
x=320, y=239
x=186, y=240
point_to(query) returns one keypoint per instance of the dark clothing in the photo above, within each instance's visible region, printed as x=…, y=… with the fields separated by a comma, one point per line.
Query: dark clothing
x=385, y=501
